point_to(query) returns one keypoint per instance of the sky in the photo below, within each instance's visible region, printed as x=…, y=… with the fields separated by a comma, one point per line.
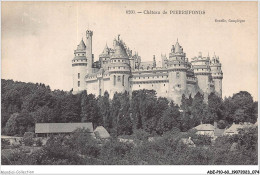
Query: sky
x=39, y=38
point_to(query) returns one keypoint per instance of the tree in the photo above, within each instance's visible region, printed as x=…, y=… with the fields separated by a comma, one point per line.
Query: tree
x=12, y=125
x=89, y=109
x=240, y=108
x=216, y=106
x=124, y=124
x=170, y=119
x=197, y=109
x=143, y=106
x=104, y=107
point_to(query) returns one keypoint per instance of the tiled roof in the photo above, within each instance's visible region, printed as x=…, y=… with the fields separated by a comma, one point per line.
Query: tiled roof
x=61, y=127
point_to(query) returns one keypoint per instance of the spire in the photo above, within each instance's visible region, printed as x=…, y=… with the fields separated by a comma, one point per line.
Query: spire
x=178, y=48
x=81, y=45
x=106, y=50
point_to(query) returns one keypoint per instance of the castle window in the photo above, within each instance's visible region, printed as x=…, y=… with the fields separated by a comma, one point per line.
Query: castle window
x=177, y=74
x=139, y=77
x=148, y=77
x=166, y=92
x=139, y=85
x=118, y=60
x=163, y=84
x=152, y=85
x=78, y=83
x=78, y=75
x=114, y=80
x=119, y=78
x=123, y=82
x=118, y=67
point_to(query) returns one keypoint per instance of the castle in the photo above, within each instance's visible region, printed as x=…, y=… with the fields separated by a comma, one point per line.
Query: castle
x=120, y=70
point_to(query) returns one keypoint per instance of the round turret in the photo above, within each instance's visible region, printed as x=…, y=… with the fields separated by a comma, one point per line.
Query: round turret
x=79, y=67
x=217, y=74
x=119, y=68
x=104, y=58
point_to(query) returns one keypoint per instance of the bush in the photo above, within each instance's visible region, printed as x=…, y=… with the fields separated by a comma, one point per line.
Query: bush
x=28, y=138
x=5, y=144
x=201, y=140
x=38, y=142
x=221, y=124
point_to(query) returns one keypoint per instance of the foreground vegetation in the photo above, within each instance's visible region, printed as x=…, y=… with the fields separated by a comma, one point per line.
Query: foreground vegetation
x=137, y=119
x=81, y=149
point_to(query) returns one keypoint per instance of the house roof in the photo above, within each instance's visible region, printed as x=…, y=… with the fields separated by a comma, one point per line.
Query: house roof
x=102, y=132
x=61, y=127
x=234, y=127
x=205, y=127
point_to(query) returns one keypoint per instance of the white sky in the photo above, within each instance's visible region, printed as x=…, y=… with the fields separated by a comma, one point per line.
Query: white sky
x=39, y=38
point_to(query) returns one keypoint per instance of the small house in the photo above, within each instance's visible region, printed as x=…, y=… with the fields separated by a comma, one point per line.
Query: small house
x=205, y=129
x=45, y=129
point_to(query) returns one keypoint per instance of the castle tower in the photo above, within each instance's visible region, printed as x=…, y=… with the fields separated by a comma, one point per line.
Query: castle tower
x=79, y=67
x=177, y=67
x=104, y=58
x=201, y=69
x=89, y=54
x=119, y=69
x=217, y=74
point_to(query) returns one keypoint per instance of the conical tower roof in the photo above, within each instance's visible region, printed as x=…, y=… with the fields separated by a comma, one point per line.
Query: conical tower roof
x=81, y=45
x=120, y=51
x=106, y=50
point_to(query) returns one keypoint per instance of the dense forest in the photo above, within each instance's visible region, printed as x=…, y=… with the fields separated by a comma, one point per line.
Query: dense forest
x=137, y=118
x=24, y=104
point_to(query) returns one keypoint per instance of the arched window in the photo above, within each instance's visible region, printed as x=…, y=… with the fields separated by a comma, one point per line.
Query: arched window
x=114, y=80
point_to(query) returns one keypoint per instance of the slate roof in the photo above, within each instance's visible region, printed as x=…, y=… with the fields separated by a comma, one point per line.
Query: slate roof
x=61, y=127
x=205, y=127
x=120, y=52
x=81, y=45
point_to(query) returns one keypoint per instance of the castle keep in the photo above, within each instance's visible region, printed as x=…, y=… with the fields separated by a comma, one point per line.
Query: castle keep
x=120, y=70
